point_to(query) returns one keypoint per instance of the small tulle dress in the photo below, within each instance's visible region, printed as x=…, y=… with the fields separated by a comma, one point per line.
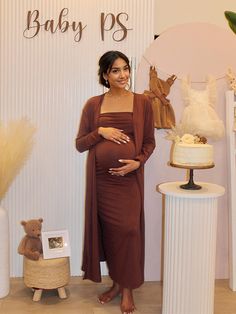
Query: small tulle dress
x=199, y=116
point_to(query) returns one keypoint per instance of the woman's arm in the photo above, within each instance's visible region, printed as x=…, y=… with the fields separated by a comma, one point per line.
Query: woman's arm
x=148, y=135
x=148, y=146
x=86, y=137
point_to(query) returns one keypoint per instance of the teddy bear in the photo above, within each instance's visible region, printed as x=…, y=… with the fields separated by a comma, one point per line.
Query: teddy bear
x=31, y=245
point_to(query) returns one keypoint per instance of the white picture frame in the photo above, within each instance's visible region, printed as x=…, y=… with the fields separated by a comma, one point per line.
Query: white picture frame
x=55, y=244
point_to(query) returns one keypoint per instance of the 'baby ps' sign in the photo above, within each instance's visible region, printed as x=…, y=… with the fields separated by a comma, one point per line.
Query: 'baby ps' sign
x=116, y=24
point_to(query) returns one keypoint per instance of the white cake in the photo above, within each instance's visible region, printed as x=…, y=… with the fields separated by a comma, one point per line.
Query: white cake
x=184, y=154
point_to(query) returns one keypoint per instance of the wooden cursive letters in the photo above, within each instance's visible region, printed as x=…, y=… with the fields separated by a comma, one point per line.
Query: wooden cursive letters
x=123, y=29
x=34, y=26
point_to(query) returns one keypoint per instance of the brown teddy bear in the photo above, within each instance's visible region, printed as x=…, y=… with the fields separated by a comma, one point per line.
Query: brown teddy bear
x=31, y=245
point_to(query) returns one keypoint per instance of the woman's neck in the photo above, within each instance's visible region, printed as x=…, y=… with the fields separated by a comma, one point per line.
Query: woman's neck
x=117, y=92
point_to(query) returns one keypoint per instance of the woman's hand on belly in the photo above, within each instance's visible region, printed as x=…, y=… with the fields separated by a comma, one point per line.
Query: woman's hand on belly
x=130, y=165
x=113, y=134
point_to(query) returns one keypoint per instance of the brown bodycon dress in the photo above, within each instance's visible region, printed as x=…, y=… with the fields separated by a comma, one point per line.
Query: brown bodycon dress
x=114, y=206
x=119, y=204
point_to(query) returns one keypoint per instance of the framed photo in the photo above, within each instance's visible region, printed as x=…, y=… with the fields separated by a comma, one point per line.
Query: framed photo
x=55, y=244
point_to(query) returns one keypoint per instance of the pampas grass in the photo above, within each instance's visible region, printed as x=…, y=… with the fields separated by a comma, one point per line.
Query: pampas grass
x=178, y=131
x=16, y=141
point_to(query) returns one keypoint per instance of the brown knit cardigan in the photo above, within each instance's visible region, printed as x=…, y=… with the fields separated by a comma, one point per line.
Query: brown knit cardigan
x=86, y=139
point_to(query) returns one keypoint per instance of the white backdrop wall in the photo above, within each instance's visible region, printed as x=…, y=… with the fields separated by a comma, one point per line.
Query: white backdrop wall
x=48, y=78
x=188, y=11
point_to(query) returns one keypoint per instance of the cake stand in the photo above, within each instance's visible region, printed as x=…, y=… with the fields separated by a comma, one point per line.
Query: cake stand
x=191, y=185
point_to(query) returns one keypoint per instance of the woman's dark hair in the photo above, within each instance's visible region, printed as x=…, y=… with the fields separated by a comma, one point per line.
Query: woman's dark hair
x=105, y=64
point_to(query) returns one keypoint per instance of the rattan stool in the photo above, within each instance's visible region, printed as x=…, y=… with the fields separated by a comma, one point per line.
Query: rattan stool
x=47, y=274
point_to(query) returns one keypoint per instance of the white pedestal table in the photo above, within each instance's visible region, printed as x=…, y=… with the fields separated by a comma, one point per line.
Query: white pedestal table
x=189, y=248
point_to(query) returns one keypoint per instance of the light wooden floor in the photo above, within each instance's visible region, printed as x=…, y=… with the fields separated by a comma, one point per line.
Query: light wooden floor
x=82, y=299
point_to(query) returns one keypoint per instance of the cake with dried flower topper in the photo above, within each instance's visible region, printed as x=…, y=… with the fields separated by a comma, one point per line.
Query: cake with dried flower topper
x=193, y=151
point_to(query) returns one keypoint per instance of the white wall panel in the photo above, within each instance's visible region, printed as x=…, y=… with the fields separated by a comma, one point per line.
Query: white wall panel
x=48, y=78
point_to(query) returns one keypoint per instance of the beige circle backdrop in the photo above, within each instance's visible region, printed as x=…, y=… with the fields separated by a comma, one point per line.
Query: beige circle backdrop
x=194, y=48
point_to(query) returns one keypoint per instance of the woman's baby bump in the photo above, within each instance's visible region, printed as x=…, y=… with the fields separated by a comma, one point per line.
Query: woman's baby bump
x=108, y=153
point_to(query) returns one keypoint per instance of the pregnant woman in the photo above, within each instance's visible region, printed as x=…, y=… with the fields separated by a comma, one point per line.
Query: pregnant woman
x=117, y=128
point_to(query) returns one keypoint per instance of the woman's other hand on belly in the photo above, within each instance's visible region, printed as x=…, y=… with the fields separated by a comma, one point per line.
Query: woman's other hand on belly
x=130, y=165
x=114, y=135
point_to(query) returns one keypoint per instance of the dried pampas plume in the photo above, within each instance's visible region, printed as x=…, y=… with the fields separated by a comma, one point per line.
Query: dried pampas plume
x=16, y=141
x=231, y=77
x=178, y=131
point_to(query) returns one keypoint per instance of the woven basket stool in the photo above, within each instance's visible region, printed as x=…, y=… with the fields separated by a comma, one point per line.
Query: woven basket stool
x=47, y=274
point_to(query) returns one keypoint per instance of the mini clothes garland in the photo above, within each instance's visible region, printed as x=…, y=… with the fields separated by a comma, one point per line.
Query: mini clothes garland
x=164, y=116
x=199, y=116
x=180, y=78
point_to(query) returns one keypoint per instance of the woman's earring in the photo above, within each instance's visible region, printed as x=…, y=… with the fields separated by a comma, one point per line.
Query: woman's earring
x=128, y=86
x=106, y=82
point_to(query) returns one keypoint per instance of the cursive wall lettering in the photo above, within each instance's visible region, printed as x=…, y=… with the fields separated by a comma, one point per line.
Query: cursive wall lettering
x=114, y=19
x=107, y=23
x=62, y=25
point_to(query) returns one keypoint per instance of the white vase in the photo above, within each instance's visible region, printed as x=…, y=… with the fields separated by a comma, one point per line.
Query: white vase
x=4, y=254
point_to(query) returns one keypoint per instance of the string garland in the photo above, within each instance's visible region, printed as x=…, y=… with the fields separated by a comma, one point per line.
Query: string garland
x=179, y=78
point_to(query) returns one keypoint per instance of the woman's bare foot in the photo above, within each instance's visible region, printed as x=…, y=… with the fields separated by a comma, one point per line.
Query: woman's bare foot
x=110, y=294
x=127, y=302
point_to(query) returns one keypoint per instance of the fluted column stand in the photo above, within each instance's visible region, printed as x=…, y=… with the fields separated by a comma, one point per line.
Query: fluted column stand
x=4, y=254
x=189, y=248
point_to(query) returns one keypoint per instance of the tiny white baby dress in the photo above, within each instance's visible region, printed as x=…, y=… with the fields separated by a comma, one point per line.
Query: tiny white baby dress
x=199, y=116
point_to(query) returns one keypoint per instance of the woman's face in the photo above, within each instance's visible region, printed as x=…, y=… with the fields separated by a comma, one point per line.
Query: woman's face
x=118, y=76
